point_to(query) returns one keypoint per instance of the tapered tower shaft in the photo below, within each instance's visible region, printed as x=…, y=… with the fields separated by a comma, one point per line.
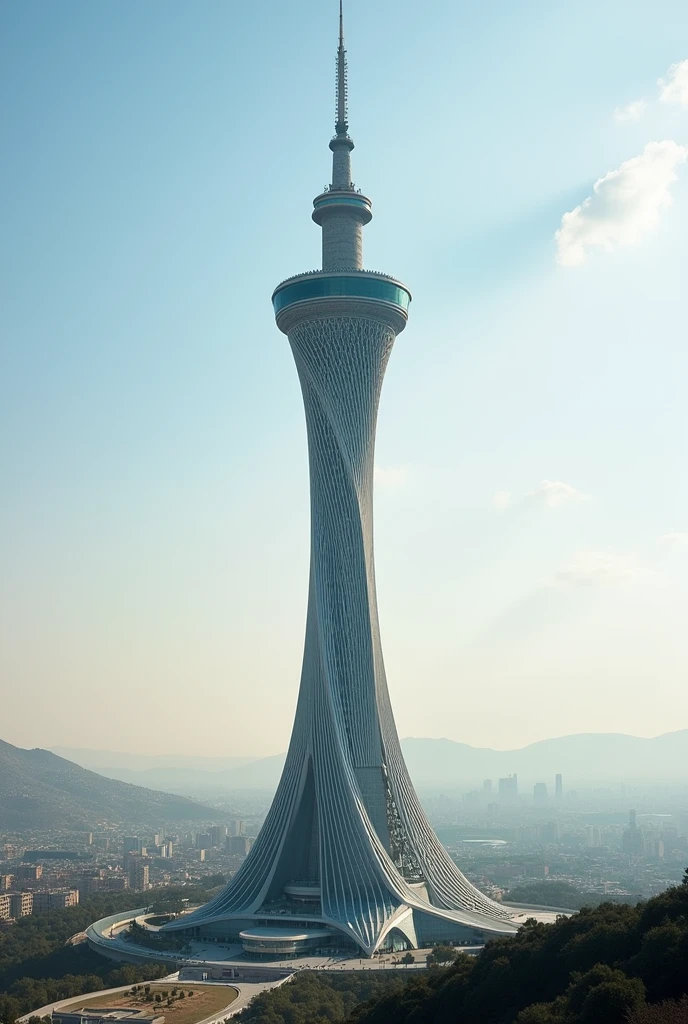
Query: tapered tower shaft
x=346, y=846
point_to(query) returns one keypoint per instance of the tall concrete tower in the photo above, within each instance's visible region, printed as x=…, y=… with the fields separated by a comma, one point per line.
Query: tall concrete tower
x=346, y=856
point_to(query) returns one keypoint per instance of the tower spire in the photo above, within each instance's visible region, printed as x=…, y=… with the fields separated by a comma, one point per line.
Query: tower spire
x=342, y=121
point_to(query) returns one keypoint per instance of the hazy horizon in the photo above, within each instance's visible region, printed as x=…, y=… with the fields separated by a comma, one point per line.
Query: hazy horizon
x=529, y=179
x=199, y=755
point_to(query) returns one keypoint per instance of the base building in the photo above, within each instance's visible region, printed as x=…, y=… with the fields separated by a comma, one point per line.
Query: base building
x=346, y=859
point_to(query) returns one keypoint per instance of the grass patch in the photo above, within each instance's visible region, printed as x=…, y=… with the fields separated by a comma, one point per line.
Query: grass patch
x=206, y=1000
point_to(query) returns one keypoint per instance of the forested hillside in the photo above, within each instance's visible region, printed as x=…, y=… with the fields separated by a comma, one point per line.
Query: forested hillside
x=37, y=966
x=614, y=964
x=38, y=790
x=601, y=966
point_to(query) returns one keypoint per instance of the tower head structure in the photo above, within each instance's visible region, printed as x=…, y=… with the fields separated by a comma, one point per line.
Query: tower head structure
x=346, y=857
x=341, y=211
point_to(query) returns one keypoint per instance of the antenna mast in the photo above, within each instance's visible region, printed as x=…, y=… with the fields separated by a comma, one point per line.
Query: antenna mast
x=342, y=121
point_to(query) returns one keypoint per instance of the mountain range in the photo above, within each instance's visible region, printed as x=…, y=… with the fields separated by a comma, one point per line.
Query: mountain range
x=38, y=789
x=434, y=764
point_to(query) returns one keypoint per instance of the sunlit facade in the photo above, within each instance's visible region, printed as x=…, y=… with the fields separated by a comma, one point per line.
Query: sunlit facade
x=346, y=858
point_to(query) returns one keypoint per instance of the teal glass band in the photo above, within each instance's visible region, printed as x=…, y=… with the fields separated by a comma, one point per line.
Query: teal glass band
x=341, y=201
x=353, y=286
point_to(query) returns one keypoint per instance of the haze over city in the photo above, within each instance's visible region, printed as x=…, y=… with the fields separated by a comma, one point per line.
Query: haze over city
x=219, y=800
x=531, y=497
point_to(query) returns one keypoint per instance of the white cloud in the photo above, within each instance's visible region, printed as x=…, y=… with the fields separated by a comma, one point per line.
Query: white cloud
x=391, y=478
x=596, y=568
x=676, y=538
x=631, y=112
x=626, y=204
x=502, y=499
x=554, y=493
x=675, y=86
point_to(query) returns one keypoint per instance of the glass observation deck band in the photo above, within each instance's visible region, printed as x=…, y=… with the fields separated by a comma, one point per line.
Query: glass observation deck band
x=339, y=199
x=352, y=285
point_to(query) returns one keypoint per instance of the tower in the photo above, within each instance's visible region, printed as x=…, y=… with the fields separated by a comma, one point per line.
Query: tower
x=346, y=852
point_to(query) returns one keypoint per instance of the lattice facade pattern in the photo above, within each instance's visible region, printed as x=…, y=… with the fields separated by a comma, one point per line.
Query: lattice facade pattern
x=346, y=819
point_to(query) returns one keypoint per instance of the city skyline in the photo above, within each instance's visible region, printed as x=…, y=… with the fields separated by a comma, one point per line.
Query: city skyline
x=531, y=509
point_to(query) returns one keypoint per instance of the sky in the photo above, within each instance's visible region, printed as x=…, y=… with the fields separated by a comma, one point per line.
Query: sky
x=528, y=169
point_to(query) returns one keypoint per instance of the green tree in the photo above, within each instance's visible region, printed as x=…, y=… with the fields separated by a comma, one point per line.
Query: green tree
x=611, y=1001
x=441, y=954
x=538, y=1013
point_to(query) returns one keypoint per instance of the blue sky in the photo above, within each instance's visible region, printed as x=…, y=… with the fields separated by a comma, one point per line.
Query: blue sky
x=159, y=164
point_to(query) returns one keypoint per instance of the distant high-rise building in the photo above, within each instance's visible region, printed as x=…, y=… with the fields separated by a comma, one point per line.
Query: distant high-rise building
x=139, y=875
x=508, y=789
x=235, y=828
x=21, y=904
x=487, y=787
x=633, y=838
x=540, y=794
x=55, y=899
x=558, y=787
x=593, y=836
x=117, y=883
x=6, y=882
x=90, y=883
x=238, y=846
x=131, y=844
x=217, y=835
x=30, y=871
x=203, y=841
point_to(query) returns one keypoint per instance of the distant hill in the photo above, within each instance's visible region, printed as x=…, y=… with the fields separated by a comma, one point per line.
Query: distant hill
x=179, y=774
x=440, y=764
x=38, y=789
x=106, y=761
x=582, y=758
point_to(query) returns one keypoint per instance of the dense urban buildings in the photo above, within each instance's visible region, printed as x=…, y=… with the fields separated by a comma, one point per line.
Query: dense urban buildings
x=346, y=853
